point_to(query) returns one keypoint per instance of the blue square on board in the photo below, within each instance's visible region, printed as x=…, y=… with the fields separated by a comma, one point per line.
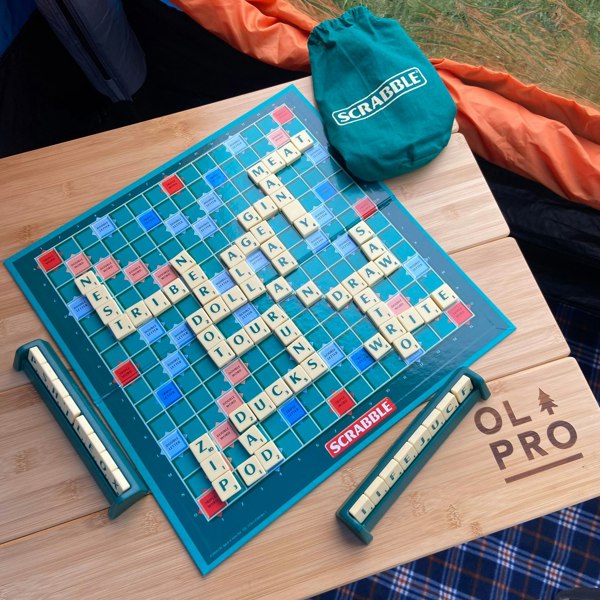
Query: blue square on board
x=235, y=144
x=210, y=202
x=292, y=411
x=322, y=215
x=173, y=444
x=177, y=223
x=317, y=241
x=149, y=219
x=257, y=261
x=151, y=331
x=325, y=191
x=181, y=335
x=332, y=354
x=316, y=154
x=80, y=307
x=416, y=266
x=245, y=314
x=168, y=394
x=205, y=227
x=222, y=282
x=344, y=244
x=103, y=227
x=175, y=363
x=361, y=359
x=215, y=177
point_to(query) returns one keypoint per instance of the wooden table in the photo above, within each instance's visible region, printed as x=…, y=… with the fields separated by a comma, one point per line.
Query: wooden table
x=504, y=465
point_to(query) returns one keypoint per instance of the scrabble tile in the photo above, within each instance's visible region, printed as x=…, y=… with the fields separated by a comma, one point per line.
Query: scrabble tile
x=371, y=273
x=374, y=248
x=94, y=444
x=252, y=439
x=198, y=321
x=302, y=141
x=108, y=311
x=202, y=447
x=314, y=366
x=121, y=327
x=274, y=316
x=376, y=490
x=86, y=282
x=392, y=329
x=266, y=207
x=300, y=349
x=274, y=162
x=234, y=298
x=257, y=330
x=139, y=313
x=309, y=293
x=366, y=299
x=249, y=218
x=205, y=292
x=272, y=248
x=410, y=319
x=107, y=464
x=210, y=337
x=279, y=391
x=354, y=283
x=377, y=346
x=47, y=374
x=428, y=310
x=98, y=295
x=182, y=262
x=281, y=197
x=287, y=332
x=269, y=184
x=194, y=277
x=231, y=256
x=462, y=388
x=293, y=210
x=388, y=263
x=262, y=406
x=444, y=296
x=226, y=486
x=118, y=482
x=214, y=465
x=241, y=272
x=391, y=472
x=434, y=421
x=285, y=263
x=176, y=291
x=157, y=303
x=251, y=470
x=297, y=379
x=361, y=233
x=419, y=439
x=306, y=225
x=262, y=232
x=279, y=289
x=247, y=244
x=447, y=405
x=258, y=171
x=362, y=508
x=379, y=314
x=36, y=358
x=406, y=345
x=58, y=390
x=242, y=417
x=217, y=309
x=69, y=408
x=221, y=354
x=289, y=153
x=253, y=287
x=240, y=342
x=405, y=455
x=82, y=427
x=269, y=455
x=338, y=297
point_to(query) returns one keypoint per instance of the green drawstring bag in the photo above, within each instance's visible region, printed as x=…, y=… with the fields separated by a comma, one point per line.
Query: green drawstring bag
x=384, y=107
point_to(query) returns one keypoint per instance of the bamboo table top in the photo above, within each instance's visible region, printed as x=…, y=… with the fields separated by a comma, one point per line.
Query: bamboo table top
x=502, y=466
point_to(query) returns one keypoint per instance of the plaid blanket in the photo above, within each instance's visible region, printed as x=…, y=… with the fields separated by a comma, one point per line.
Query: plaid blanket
x=532, y=561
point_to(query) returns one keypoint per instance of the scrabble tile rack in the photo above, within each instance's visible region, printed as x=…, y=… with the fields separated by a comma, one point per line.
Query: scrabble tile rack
x=157, y=388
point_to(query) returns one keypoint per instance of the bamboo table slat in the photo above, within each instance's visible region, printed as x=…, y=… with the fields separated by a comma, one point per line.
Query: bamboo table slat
x=56, y=539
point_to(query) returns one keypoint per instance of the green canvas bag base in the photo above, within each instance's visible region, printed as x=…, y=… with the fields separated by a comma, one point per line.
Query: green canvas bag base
x=384, y=107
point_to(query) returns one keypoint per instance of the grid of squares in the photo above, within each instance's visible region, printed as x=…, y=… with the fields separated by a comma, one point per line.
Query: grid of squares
x=178, y=392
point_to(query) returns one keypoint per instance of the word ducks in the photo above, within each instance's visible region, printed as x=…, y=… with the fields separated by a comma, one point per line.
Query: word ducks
x=78, y=421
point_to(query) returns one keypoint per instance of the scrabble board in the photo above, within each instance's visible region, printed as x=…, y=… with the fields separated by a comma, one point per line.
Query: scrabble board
x=248, y=317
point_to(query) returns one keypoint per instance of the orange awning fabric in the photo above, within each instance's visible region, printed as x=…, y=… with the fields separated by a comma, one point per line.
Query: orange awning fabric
x=520, y=127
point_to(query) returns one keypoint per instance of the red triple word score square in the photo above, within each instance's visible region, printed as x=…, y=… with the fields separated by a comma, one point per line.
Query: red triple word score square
x=126, y=373
x=341, y=402
x=365, y=208
x=49, y=260
x=211, y=504
x=282, y=115
x=172, y=185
